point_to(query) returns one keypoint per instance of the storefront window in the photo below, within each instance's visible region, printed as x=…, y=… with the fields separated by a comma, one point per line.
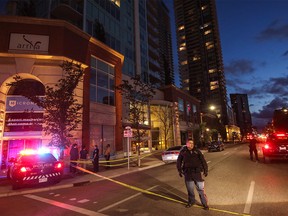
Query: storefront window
x=102, y=82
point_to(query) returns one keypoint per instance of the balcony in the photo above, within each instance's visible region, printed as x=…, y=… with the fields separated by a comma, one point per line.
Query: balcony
x=69, y=10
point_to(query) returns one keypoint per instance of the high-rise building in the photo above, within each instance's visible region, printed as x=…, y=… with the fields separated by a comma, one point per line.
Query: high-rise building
x=200, y=55
x=137, y=30
x=140, y=30
x=241, y=109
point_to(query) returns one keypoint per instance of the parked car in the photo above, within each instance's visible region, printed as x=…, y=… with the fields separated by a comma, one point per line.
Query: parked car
x=171, y=154
x=276, y=147
x=216, y=146
x=34, y=168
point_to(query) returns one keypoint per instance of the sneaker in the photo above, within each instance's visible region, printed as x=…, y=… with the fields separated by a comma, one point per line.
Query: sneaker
x=206, y=207
x=188, y=205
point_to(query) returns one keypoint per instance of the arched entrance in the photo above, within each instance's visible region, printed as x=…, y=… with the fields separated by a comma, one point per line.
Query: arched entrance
x=22, y=120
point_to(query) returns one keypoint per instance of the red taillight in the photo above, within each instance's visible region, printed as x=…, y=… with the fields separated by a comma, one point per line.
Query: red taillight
x=266, y=146
x=280, y=134
x=23, y=169
x=58, y=165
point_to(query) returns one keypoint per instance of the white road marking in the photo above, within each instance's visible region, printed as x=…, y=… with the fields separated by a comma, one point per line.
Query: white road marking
x=83, y=201
x=124, y=200
x=249, y=198
x=64, y=206
x=226, y=153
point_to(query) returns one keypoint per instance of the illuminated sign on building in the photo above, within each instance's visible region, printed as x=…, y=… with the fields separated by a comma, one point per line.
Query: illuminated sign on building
x=22, y=115
x=28, y=42
x=20, y=103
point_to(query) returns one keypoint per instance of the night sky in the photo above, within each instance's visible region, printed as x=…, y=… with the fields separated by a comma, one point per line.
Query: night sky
x=254, y=40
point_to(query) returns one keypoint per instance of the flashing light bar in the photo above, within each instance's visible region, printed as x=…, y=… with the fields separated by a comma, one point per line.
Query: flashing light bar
x=35, y=151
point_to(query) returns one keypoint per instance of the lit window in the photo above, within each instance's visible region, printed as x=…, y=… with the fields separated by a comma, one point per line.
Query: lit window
x=186, y=81
x=207, y=32
x=214, y=85
x=213, y=70
x=181, y=27
x=183, y=62
x=196, y=58
x=116, y=2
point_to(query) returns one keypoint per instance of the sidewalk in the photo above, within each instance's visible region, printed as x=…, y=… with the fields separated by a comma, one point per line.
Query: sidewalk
x=70, y=180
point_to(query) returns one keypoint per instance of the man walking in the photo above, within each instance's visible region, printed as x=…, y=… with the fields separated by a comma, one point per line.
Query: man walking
x=192, y=163
x=253, y=149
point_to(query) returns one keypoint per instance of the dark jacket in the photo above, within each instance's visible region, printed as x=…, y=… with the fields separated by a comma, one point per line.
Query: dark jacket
x=74, y=153
x=252, y=144
x=96, y=154
x=191, y=164
x=83, y=154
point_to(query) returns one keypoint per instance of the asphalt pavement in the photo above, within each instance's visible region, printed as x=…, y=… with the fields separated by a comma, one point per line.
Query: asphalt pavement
x=117, y=168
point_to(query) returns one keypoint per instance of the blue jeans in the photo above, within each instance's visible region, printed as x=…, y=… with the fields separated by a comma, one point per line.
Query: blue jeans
x=200, y=189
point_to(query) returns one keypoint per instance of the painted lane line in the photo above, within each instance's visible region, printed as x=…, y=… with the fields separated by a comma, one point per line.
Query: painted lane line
x=83, y=201
x=64, y=206
x=249, y=198
x=124, y=200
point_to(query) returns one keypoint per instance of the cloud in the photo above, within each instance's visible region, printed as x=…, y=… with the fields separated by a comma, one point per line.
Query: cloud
x=272, y=92
x=275, y=30
x=265, y=115
x=241, y=66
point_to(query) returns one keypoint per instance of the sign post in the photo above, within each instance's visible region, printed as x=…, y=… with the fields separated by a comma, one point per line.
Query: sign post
x=128, y=133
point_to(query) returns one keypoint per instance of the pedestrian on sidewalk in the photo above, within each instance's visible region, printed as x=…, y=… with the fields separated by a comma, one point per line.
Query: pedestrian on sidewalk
x=107, y=155
x=74, y=156
x=83, y=156
x=192, y=163
x=253, y=149
x=95, y=159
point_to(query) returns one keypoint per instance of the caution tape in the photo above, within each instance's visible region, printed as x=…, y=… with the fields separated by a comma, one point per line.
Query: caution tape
x=155, y=194
x=104, y=162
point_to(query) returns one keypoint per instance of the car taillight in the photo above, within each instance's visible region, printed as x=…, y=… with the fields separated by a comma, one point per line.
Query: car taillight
x=58, y=165
x=266, y=146
x=23, y=169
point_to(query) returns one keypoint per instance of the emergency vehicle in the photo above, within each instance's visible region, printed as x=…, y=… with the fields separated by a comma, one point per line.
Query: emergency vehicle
x=32, y=167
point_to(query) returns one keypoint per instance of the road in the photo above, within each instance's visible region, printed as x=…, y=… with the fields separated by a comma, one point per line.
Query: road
x=235, y=186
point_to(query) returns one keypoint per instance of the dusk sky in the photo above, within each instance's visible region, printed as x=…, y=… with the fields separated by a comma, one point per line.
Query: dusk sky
x=254, y=40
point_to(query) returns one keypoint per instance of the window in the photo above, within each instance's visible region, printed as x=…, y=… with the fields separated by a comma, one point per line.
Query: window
x=181, y=108
x=102, y=82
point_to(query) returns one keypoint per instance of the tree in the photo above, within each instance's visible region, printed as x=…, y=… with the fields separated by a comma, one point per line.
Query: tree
x=164, y=116
x=137, y=95
x=62, y=111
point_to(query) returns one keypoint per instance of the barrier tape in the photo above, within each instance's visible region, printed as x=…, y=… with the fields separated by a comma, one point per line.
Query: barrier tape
x=155, y=194
x=104, y=162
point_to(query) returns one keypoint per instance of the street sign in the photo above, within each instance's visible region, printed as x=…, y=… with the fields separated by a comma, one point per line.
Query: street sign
x=128, y=132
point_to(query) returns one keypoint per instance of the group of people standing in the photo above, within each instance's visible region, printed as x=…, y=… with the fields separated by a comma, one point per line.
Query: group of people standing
x=75, y=155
